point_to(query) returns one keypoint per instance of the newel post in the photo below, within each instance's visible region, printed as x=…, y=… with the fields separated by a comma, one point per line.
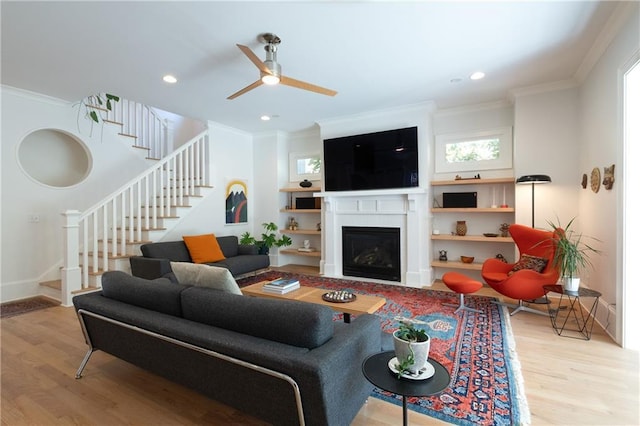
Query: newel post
x=71, y=274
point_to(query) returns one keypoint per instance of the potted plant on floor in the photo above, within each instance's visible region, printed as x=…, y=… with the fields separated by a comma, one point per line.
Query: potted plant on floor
x=269, y=238
x=411, y=345
x=571, y=255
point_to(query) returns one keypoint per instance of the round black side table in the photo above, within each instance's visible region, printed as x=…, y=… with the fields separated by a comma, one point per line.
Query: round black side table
x=376, y=370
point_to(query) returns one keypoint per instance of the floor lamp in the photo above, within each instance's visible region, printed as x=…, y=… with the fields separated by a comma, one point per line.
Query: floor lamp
x=533, y=179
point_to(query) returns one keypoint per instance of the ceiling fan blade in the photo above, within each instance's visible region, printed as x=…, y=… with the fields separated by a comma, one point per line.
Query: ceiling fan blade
x=288, y=81
x=246, y=89
x=254, y=58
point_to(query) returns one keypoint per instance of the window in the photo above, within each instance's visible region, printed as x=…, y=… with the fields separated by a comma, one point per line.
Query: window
x=483, y=150
x=304, y=166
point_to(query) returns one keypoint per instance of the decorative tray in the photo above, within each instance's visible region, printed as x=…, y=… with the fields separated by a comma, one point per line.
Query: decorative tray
x=339, y=297
x=488, y=234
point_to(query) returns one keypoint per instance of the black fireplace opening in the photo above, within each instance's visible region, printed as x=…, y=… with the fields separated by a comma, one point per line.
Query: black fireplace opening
x=371, y=252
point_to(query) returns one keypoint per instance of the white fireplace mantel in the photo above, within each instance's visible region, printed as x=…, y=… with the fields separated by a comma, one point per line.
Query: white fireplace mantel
x=405, y=208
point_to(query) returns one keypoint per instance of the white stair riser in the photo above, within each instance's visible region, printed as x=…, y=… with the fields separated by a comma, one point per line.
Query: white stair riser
x=118, y=264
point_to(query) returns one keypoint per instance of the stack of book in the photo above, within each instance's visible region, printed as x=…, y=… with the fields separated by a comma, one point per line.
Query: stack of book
x=281, y=285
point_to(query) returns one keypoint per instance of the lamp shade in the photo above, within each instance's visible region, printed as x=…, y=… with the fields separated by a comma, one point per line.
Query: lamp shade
x=533, y=179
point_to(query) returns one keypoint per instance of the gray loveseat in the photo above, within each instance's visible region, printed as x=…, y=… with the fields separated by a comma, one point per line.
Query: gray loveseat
x=286, y=362
x=156, y=258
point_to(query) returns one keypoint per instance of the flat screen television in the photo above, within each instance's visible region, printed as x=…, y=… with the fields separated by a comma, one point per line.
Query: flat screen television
x=380, y=160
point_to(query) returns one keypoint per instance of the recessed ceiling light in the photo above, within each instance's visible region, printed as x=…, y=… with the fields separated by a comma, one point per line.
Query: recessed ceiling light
x=477, y=75
x=169, y=79
x=265, y=117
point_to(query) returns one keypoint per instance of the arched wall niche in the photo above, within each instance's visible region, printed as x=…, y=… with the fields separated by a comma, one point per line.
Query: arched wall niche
x=54, y=158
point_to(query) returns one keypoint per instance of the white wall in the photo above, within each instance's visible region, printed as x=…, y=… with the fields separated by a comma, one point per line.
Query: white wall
x=232, y=157
x=181, y=129
x=32, y=252
x=546, y=142
x=600, y=107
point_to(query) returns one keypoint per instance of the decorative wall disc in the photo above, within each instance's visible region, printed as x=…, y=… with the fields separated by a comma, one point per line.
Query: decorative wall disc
x=595, y=179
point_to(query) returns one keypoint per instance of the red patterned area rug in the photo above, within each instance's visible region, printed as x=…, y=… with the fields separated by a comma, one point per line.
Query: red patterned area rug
x=477, y=349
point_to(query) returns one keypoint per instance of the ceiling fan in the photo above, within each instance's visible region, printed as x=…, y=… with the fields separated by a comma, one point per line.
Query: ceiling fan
x=270, y=70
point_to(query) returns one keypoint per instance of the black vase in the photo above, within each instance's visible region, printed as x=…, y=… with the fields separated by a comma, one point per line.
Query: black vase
x=305, y=183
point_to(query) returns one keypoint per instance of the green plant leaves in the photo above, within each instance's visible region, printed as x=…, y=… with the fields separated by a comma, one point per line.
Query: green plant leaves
x=268, y=237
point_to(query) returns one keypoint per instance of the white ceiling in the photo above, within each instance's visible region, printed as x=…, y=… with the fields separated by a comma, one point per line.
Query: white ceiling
x=377, y=55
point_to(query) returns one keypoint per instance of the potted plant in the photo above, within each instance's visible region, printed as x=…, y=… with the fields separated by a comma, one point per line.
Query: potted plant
x=411, y=345
x=571, y=255
x=268, y=240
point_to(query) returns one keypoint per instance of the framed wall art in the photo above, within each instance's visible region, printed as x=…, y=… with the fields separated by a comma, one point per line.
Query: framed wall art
x=236, y=208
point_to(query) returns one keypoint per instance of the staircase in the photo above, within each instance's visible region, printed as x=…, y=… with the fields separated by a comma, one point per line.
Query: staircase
x=138, y=122
x=103, y=237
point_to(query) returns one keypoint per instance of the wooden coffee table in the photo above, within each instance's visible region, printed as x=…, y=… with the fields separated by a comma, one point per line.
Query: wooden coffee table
x=364, y=304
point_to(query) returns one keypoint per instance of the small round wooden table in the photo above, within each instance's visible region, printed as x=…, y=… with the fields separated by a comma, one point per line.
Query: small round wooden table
x=376, y=370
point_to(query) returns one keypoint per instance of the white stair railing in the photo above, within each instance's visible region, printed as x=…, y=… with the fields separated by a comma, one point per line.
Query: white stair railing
x=106, y=229
x=142, y=122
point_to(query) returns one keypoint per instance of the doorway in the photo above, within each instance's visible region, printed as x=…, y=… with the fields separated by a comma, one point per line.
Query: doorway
x=628, y=292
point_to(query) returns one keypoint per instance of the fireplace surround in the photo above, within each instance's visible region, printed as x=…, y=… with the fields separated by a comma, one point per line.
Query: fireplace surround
x=404, y=209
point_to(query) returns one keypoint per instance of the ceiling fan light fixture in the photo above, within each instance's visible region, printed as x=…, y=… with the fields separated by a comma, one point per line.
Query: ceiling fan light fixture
x=271, y=72
x=270, y=79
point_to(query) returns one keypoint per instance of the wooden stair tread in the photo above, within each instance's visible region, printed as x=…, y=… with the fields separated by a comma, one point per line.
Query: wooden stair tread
x=86, y=290
x=195, y=186
x=141, y=147
x=111, y=256
x=96, y=107
x=157, y=217
x=131, y=242
x=171, y=206
x=128, y=136
x=141, y=229
x=55, y=284
x=112, y=122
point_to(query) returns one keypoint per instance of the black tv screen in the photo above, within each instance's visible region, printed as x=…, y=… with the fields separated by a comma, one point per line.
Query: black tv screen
x=380, y=160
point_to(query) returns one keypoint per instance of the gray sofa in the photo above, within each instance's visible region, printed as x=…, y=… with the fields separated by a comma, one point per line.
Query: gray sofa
x=156, y=258
x=283, y=361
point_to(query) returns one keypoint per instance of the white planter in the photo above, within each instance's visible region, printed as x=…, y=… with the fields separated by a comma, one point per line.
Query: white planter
x=420, y=350
x=571, y=284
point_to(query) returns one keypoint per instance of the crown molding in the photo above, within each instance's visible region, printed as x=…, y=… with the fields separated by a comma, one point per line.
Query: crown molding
x=35, y=96
x=484, y=106
x=610, y=30
x=543, y=88
x=428, y=107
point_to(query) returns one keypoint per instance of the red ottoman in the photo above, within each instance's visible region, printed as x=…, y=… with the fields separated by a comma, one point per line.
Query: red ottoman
x=462, y=285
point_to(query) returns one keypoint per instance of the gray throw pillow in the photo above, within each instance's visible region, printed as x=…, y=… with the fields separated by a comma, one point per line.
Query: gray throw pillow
x=205, y=276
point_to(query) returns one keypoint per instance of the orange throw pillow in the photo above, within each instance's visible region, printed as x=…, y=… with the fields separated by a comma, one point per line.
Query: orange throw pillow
x=203, y=248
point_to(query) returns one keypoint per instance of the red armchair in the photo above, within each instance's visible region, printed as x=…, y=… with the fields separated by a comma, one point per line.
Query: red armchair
x=524, y=284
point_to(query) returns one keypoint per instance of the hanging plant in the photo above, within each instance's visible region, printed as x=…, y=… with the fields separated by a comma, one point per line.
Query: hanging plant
x=96, y=107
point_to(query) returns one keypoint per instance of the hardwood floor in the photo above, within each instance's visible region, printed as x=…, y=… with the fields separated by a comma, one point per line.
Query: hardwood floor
x=567, y=381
